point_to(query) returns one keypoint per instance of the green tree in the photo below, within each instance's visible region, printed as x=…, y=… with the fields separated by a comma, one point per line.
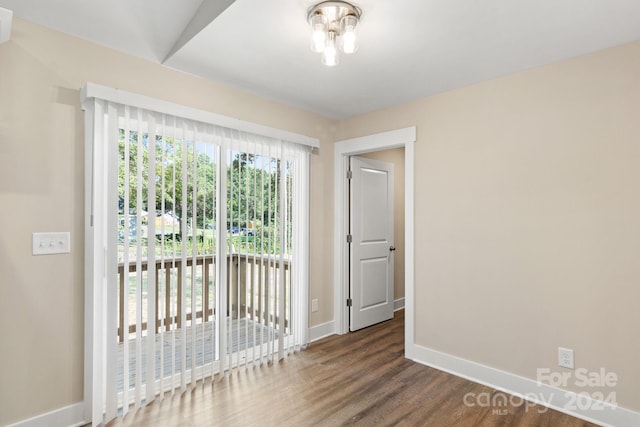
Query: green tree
x=170, y=157
x=253, y=187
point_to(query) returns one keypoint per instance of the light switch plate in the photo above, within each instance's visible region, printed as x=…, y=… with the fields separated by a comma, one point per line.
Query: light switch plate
x=51, y=243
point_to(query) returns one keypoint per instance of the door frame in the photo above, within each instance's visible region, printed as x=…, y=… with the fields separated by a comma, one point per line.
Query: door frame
x=405, y=137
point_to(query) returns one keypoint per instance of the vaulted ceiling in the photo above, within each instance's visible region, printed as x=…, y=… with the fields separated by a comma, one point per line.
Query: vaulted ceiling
x=408, y=48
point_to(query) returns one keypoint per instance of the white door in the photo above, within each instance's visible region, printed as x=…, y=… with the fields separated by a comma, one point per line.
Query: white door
x=371, y=248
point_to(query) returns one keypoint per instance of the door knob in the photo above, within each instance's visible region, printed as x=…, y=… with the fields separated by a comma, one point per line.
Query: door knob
x=392, y=248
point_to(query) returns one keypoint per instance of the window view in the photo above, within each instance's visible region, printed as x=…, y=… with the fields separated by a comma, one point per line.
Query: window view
x=178, y=200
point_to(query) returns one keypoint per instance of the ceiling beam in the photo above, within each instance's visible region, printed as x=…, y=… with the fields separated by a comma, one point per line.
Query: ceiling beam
x=208, y=11
x=5, y=24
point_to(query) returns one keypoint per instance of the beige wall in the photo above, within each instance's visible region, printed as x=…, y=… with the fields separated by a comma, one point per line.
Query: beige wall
x=396, y=157
x=41, y=189
x=527, y=205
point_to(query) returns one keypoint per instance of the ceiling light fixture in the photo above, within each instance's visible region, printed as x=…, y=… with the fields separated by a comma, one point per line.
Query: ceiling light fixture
x=333, y=27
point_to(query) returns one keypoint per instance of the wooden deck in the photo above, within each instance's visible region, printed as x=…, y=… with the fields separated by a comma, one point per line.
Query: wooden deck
x=360, y=378
x=245, y=333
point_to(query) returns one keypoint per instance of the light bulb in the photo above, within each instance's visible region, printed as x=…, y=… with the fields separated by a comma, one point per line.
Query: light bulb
x=330, y=54
x=318, y=33
x=349, y=24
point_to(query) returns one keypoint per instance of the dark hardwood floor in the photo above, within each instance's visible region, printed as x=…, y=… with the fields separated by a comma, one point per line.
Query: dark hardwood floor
x=360, y=378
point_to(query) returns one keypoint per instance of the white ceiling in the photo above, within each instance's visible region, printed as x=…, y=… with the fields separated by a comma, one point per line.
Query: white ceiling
x=408, y=48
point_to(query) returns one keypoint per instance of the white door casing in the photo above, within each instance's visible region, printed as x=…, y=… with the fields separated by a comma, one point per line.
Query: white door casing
x=371, y=249
x=405, y=137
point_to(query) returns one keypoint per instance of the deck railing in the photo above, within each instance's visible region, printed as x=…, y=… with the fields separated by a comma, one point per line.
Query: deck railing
x=256, y=276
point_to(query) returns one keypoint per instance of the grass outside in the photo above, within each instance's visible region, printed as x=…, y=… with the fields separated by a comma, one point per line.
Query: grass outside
x=172, y=245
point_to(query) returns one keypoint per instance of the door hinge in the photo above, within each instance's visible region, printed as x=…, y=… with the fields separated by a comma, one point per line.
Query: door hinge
x=349, y=174
x=349, y=238
x=349, y=302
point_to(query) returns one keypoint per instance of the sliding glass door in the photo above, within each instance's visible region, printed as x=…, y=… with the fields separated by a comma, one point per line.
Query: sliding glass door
x=204, y=259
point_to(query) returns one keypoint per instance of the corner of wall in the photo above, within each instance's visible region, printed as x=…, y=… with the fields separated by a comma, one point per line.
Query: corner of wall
x=568, y=402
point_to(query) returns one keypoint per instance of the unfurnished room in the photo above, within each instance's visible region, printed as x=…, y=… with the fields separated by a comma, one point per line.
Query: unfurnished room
x=319, y=213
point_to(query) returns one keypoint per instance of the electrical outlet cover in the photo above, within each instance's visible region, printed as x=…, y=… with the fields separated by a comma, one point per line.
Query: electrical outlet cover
x=565, y=358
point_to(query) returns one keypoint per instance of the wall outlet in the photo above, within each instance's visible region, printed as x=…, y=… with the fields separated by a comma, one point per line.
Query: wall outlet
x=565, y=358
x=314, y=305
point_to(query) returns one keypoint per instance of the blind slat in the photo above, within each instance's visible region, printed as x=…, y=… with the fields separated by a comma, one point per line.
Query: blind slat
x=125, y=268
x=183, y=277
x=162, y=283
x=174, y=283
x=139, y=184
x=194, y=267
x=151, y=262
x=112, y=259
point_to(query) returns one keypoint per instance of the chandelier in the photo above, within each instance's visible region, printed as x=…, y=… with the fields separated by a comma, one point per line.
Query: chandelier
x=333, y=28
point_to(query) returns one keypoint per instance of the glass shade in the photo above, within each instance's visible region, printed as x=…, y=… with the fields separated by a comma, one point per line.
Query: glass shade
x=348, y=25
x=330, y=54
x=318, y=33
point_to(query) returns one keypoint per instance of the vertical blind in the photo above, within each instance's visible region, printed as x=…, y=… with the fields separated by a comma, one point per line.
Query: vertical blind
x=197, y=255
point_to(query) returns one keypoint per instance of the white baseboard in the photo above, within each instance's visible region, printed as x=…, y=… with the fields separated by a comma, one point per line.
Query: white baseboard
x=321, y=331
x=398, y=304
x=561, y=400
x=72, y=415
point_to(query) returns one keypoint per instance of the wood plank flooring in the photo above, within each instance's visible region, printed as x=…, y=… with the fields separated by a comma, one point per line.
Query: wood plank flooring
x=359, y=379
